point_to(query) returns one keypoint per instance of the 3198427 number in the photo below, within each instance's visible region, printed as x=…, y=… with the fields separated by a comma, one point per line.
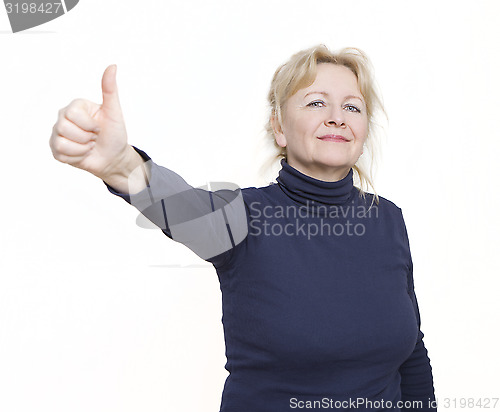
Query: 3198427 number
x=469, y=403
x=32, y=8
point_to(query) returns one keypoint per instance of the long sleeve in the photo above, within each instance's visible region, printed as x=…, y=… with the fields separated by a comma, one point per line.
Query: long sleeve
x=210, y=223
x=416, y=372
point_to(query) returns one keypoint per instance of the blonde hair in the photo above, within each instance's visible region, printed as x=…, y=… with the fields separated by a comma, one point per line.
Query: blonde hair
x=300, y=72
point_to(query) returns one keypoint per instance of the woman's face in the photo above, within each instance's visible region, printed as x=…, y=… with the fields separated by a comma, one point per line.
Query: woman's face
x=332, y=105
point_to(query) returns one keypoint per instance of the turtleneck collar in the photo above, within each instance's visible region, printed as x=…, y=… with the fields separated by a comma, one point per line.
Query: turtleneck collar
x=306, y=189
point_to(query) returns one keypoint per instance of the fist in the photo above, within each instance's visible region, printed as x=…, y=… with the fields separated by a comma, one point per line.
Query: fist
x=90, y=136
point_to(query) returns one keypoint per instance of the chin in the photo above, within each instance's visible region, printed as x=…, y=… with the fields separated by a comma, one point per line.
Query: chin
x=334, y=161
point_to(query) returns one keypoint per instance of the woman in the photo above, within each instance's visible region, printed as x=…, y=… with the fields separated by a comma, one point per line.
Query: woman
x=319, y=308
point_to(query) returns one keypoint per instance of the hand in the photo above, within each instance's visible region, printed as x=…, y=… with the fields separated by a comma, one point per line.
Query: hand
x=90, y=136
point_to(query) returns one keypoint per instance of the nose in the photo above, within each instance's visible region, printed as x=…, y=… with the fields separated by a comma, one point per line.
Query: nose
x=336, y=117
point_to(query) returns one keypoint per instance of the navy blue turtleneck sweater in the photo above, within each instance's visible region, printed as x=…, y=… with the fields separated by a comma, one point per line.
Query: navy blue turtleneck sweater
x=319, y=309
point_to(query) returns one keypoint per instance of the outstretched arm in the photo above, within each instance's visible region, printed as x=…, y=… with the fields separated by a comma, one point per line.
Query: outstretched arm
x=210, y=223
x=93, y=137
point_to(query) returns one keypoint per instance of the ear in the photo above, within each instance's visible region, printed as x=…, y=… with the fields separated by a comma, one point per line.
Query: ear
x=278, y=131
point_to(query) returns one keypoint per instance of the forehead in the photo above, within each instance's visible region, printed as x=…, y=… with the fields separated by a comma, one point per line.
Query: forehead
x=333, y=78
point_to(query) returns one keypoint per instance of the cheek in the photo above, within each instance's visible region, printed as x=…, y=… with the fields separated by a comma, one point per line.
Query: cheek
x=298, y=130
x=309, y=126
x=361, y=130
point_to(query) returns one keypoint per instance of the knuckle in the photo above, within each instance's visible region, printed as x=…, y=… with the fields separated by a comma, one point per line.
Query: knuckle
x=72, y=112
x=55, y=155
x=62, y=114
x=76, y=102
x=58, y=129
x=56, y=147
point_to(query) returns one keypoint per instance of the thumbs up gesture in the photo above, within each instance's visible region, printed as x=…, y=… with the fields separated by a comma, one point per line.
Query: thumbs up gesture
x=90, y=136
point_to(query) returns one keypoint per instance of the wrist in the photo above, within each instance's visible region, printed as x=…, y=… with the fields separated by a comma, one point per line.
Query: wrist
x=130, y=173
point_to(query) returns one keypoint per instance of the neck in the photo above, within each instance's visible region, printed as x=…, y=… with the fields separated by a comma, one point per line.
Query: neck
x=324, y=173
x=305, y=188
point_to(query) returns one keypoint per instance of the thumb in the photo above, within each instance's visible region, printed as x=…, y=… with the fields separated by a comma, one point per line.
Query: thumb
x=110, y=101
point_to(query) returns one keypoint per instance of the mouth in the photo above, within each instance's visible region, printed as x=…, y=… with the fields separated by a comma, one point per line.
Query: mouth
x=333, y=138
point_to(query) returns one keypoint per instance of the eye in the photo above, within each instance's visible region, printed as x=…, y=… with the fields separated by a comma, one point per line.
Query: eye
x=350, y=106
x=313, y=104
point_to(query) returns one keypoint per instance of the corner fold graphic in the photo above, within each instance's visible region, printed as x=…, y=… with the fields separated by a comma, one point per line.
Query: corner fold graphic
x=24, y=14
x=70, y=4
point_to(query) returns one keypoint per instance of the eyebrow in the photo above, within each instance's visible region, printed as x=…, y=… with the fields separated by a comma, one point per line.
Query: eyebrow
x=351, y=96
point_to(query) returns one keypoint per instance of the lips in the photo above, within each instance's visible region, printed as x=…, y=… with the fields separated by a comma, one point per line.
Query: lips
x=333, y=138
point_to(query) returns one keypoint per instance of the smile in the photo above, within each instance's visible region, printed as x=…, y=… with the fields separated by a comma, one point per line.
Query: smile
x=333, y=138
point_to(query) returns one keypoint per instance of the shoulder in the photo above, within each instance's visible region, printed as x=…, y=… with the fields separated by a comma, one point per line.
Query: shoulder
x=394, y=215
x=384, y=204
x=267, y=192
x=386, y=211
x=259, y=199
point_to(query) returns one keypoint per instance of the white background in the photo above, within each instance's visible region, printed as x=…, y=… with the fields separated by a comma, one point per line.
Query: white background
x=91, y=316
